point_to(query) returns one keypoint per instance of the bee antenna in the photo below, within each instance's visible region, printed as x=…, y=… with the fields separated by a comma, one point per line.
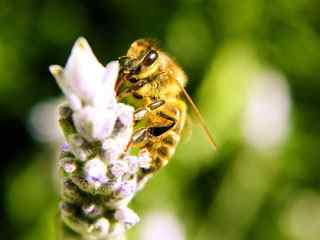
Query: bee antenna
x=199, y=116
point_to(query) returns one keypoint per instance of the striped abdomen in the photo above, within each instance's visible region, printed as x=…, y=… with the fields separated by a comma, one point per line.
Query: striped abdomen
x=162, y=149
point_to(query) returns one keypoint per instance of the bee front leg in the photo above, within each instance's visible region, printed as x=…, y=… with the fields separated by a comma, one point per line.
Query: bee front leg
x=133, y=89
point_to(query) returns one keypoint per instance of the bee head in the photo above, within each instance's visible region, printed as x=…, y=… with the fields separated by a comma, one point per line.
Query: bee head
x=142, y=59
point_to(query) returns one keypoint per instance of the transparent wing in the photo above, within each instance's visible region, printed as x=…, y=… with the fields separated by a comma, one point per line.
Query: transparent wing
x=199, y=117
x=187, y=130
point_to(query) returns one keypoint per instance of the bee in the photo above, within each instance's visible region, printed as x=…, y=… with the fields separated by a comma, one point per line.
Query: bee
x=156, y=83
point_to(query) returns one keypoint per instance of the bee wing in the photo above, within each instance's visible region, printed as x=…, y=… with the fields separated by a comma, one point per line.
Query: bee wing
x=187, y=130
x=199, y=117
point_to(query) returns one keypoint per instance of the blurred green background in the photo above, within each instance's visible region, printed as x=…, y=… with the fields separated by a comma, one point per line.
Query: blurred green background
x=254, y=73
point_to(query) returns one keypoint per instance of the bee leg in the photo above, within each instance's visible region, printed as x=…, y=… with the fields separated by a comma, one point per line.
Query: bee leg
x=157, y=131
x=139, y=84
x=155, y=104
x=132, y=89
x=140, y=136
x=141, y=112
x=143, y=134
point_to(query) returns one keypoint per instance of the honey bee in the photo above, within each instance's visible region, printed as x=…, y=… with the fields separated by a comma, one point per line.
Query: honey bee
x=156, y=82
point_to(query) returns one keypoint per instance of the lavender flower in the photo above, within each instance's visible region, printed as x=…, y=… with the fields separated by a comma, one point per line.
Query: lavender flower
x=99, y=175
x=126, y=189
x=84, y=80
x=118, y=168
x=95, y=172
x=127, y=217
x=65, y=147
x=69, y=167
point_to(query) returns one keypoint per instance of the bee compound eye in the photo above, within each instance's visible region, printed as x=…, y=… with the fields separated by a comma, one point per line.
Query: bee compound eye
x=150, y=58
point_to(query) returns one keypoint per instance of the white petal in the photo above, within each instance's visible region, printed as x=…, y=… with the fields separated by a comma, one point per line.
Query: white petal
x=99, y=229
x=57, y=73
x=83, y=73
x=111, y=73
x=106, y=96
x=126, y=216
x=74, y=101
x=125, y=114
x=124, y=128
x=94, y=123
x=112, y=149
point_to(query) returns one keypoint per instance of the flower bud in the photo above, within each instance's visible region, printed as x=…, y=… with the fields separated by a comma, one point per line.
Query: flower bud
x=126, y=216
x=95, y=172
